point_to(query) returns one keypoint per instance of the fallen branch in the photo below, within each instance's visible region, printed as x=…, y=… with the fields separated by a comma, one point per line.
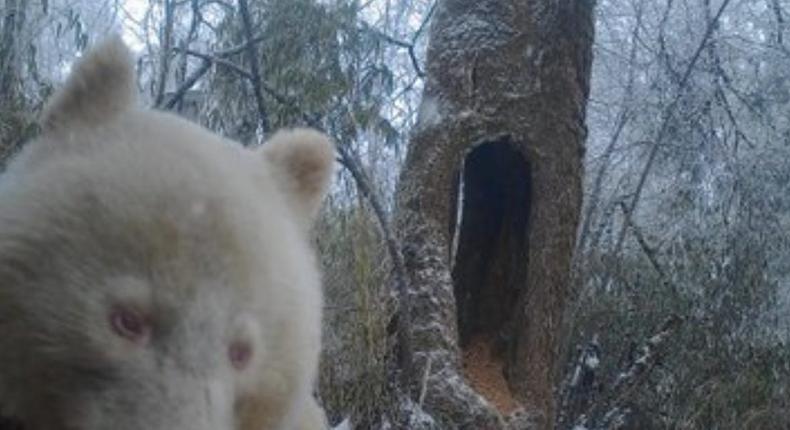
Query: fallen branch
x=610, y=408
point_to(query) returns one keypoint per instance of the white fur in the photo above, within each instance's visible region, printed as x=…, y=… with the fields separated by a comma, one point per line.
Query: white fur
x=118, y=205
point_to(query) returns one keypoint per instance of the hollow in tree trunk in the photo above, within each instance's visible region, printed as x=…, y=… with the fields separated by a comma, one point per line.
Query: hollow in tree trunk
x=488, y=203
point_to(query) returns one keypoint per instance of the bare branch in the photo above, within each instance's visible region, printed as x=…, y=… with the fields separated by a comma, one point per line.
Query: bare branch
x=217, y=60
x=254, y=69
x=189, y=82
x=650, y=253
x=241, y=48
x=409, y=46
x=668, y=116
x=609, y=407
x=405, y=351
x=639, y=368
x=164, y=58
x=623, y=118
x=364, y=185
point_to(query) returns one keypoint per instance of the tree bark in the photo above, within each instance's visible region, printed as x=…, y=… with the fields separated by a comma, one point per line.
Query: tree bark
x=516, y=75
x=14, y=116
x=166, y=40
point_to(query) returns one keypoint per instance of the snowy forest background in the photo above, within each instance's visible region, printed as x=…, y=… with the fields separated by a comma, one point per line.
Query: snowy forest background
x=682, y=264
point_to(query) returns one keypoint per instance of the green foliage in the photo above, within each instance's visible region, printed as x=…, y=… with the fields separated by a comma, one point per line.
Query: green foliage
x=354, y=366
x=724, y=368
x=315, y=61
x=750, y=397
x=26, y=75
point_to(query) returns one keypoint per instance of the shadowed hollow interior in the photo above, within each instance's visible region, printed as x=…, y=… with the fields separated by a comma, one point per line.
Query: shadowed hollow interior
x=490, y=260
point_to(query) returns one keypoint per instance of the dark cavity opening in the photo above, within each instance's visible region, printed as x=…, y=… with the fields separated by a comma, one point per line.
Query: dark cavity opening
x=490, y=259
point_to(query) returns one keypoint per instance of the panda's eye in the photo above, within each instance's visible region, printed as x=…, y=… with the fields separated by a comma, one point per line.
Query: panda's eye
x=130, y=324
x=240, y=354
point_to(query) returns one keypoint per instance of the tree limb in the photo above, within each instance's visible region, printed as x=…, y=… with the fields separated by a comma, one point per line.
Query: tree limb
x=364, y=185
x=668, y=116
x=409, y=46
x=164, y=58
x=217, y=60
x=405, y=351
x=609, y=408
x=640, y=238
x=189, y=82
x=254, y=69
x=241, y=48
x=623, y=118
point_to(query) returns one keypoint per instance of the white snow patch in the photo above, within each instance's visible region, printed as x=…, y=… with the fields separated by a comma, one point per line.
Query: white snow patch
x=385, y=424
x=577, y=375
x=592, y=362
x=429, y=114
x=345, y=425
x=418, y=418
x=466, y=114
x=476, y=31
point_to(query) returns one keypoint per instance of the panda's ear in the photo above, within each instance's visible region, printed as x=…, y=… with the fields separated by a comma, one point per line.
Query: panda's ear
x=100, y=87
x=302, y=163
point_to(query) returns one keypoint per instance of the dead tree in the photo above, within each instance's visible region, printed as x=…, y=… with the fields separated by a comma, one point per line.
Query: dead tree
x=489, y=200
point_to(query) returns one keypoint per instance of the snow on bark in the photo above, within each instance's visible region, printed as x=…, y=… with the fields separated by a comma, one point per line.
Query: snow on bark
x=510, y=73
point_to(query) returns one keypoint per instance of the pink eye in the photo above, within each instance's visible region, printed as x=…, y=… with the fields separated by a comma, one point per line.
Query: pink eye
x=130, y=324
x=240, y=354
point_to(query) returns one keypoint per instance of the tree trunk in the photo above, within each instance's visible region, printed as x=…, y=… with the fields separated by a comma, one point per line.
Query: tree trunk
x=14, y=115
x=489, y=199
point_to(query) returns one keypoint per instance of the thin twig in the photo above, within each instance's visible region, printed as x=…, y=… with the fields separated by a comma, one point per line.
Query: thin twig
x=409, y=46
x=668, y=116
x=229, y=52
x=217, y=60
x=425, y=377
x=623, y=118
x=650, y=253
x=406, y=355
